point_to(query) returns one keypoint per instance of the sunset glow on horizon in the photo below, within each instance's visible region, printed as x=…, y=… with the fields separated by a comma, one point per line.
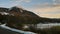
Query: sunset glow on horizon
x=43, y=8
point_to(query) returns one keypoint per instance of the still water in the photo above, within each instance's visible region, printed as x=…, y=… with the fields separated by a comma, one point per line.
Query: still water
x=47, y=25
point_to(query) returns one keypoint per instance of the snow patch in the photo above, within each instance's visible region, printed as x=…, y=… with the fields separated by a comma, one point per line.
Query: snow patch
x=16, y=30
x=4, y=13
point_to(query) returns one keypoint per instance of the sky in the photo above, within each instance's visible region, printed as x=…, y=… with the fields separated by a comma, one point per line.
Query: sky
x=43, y=8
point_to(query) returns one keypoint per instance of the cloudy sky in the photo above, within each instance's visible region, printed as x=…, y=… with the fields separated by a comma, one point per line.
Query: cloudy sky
x=43, y=8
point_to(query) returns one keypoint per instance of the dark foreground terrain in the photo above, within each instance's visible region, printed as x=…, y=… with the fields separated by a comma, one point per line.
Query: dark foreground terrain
x=6, y=31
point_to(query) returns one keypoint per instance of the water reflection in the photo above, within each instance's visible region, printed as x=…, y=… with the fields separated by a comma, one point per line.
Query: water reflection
x=47, y=25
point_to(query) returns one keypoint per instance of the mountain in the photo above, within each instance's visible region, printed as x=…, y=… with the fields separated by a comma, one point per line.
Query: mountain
x=2, y=14
x=3, y=9
x=19, y=17
x=16, y=17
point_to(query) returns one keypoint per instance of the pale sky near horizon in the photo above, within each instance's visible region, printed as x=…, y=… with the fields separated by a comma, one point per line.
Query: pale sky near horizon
x=43, y=8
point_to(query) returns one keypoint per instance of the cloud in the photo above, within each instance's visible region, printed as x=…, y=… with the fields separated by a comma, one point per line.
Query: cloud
x=44, y=5
x=27, y=0
x=50, y=15
x=56, y=1
x=12, y=3
x=46, y=10
x=21, y=0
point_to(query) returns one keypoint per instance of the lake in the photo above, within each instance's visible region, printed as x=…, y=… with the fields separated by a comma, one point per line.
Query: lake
x=40, y=25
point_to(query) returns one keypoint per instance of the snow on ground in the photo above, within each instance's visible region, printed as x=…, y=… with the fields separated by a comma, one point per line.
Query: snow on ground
x=27, y=32
x=16, y=30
